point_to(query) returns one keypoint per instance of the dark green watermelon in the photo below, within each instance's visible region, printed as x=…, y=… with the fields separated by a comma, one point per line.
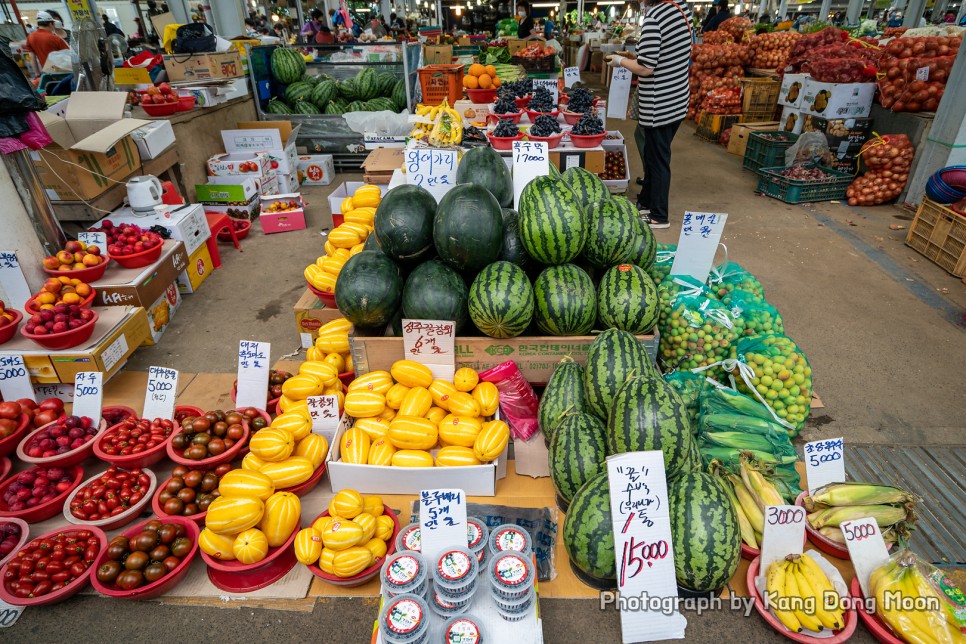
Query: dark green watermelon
x=564, y=394
x=348, y=90
x=385, y=83
x=484, y=166
x=566, y=303
x=578, y=452
x=586, y=186
x=468, y=228
x=513, y=250
x=277, y=106
x=287, y=64
x=305, y=107
x=369, y=289
x=399, y=95
x=324, y=92
x=366, y=84
x=610, y=233
x=434, y=291
x=588, y=530
x=553, y=227
x=501, y=300
x=644, y=246
x=299, y=91
x=404, y=223
x=627, y=299
x=614, y=356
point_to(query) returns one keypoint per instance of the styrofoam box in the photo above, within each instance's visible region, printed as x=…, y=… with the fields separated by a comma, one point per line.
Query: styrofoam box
x=618, y=186
x=343, y=191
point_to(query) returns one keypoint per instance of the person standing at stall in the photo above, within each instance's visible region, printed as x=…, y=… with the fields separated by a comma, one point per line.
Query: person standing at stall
x=525, y=22
x=42, y=41
x=663, y=58
x=722, y=13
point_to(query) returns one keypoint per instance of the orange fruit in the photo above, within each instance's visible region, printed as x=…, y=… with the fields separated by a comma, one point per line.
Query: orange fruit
x=490, y=70
x=471, y=82
x=477, y=69
x=72, y=298
x=486, y=82
x=496, y=82
x=83, y=290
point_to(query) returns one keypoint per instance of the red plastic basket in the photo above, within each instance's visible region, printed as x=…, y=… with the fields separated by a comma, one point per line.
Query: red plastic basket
x=86, y=275
x=441, y=82
x=8, y=330
x=70, y=589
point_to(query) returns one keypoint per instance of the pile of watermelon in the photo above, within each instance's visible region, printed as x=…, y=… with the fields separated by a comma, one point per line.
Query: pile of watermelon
x=305, y=93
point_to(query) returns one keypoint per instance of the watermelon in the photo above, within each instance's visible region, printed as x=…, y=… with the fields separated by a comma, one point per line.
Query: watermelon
x=610, y=233
x=468, y=228
x=627, y=299
x=484, y=166
x=614, y=356
x=368, y=289
x=323, y=93
x=277, y=106
x=404, y=223
x=434, y=291
x=554, y=171
x=299, y=91
x=704, y=529
x=648, y=414
x=335, y=107
x=288, y=66
x=356, y=106
x=371, y=243
x=304, y=107
x=565, y=301
x=501, y=300
x=553, y=227
x=347, y=89
x=577, y=453
x=379, y=104
x=586, y=186
x=309, y=78
x=385, y=84
x=399, y=95
x=366, y=84
x=513, y=251
x=588, y=530
x=643, y=247
x=564, y=394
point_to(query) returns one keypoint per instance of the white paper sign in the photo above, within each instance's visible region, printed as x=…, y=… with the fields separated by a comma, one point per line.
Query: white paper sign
x=432, y=169
x=602, y=113
x=642, y=544
x=442, y=521
x=530, y=160
x=824, y=463
x=12, y=281
x=15, y=379
x=9, y=614
x=784, y=533
x=161, y=393
x=60, y=391
x=253, y=368
x=620, y=91
x=324, y=411
x=430, y=342
x=88, y=394
x=571, y=76
x=94, y=239
x=550, y=84
x=922, y=74
x=571, y=161
x=697, y=244
x=867, y=549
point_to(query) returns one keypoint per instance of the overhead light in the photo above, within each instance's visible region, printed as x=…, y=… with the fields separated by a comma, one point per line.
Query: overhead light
x=545, y=5
x=604, y=3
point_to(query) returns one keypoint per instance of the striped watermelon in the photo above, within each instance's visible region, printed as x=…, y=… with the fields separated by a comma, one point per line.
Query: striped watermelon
x=586, y=186
x=288, y=66
x=513, y=250
x=399, y=95
x=565, y=301
x=501, y=300
x=577, y=453
x=366, y=84
x=385, y=84
x=310, y=78
x=614, y=357
x=553, y=227
x=299, y=91
x=588, y=531
x=347, y=89
x=644, y=246
x=277, y=106
x=704, y=529
x=324, y=92
x=627, y=299
x=335, y=107
x=647, y=414
x=356, y=106
x=564, y=394
x=611, y=233
x=305, y=107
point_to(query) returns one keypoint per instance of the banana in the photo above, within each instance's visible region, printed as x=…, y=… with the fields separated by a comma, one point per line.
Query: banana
x=827, y=619
x=943, y=626
x=775, y=586
x=924, y=628
x=822, y=586
x=793, y=591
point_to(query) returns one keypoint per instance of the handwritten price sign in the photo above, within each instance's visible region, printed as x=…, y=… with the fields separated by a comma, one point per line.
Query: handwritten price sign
x=550, y=84
x=824, y=463
x=867, y=549
x=12, y=281
x=697, y=244
x=324, y=411
x=160, y=394
x=432, y=169
x=94, y=239
x=15, y=379
x=784, y=533
x=253, y=368
x=620, y=91
x=430, y=342
x=571, y=76
x=442, y=520
x=530, y=160
x=9, y=614
x=88, y=394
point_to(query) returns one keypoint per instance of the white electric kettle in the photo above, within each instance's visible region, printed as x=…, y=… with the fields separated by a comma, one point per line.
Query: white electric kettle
x=144, y=193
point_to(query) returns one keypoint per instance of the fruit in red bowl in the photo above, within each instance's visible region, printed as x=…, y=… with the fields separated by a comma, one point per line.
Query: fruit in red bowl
x=13, y=534
x=9, y=321
x=69, y=291
x=38, y=493
x=77, y=259
x=130, y=245
x=60, y=340
x=210, y=439
x=135, y=442
x=189, y=492
x=67, y=441
x=110, y=499
x=66, y=556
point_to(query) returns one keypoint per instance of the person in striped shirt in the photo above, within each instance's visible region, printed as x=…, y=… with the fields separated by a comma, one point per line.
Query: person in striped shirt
x=663, y=59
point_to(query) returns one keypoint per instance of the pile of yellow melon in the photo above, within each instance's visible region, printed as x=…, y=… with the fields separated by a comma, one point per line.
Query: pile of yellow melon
x=332, y=345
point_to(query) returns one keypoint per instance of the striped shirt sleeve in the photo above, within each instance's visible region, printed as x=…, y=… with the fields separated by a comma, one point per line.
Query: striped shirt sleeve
x=649, y=44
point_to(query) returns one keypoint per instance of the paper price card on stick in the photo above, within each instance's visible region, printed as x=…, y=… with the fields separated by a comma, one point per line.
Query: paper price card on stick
x=324, y=412
x=643, y=547
x=442, y=520
x=88, y=394
x=253, y=368
x=824, y=463
x=867, y=549
x=94, y=239
x=784, y=533
x=620, y=91
x=12, y=281
x=550, y=84
x=432, y=169
x=697, y=244
x=430, y=342
x=530, y=160
x=160, y=394
x=15, y=379
x=571, y=76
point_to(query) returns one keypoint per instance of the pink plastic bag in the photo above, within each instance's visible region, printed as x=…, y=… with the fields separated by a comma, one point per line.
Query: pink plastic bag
x=37, y=136
x=518, y=400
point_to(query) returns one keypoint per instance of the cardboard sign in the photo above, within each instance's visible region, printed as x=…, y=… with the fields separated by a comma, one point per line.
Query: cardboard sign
x=697, y=244
x=867, y=549
x=824, y=463
x=530, y=160
x=9, y=614
x=12, y=281
x=620, y=91
x=784, y=533
x=88, y=394
x=15, y=379
x=94, y=239
x=550, y=84
x=131, y=76
x=642, y=544
x=430, y=342
x=442, y=520
x=161, y=393
x=324, y=412
x=432, y=169
x=571, y=76
x=253, y=367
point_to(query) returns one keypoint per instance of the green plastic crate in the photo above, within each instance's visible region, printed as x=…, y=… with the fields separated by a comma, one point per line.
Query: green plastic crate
x=772, y=183
x=765, y=153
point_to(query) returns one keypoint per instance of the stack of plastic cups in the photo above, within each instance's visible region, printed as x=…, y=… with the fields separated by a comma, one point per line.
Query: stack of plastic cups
x=409, y=539
x=465, y=629
x=405, y=620
x=454, y=581
x=476, y=537
x=405, y=573
x=512, y=576
x=510, y=537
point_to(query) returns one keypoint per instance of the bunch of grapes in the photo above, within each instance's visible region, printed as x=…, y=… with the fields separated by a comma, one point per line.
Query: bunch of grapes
x=589, y=124
x=580, y=100
x=505, y=106
x=545, y=126
x=542, y=101
x=515, y=89
x=507, y=128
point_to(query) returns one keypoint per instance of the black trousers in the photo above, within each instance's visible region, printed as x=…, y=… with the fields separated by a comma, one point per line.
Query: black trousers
x=654, y=146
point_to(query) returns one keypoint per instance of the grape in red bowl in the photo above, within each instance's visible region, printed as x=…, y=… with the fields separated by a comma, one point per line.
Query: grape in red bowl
x=38, y=493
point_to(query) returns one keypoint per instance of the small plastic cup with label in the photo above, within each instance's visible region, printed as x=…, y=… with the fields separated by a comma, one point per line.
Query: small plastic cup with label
x=446, y=607
x=455, y=572
x=405, y=620
x=512, y=575
x=404, y=572
x=510, y=537
x=408, y=538
x=516, y=609
x=477, y=535
x=465, y=629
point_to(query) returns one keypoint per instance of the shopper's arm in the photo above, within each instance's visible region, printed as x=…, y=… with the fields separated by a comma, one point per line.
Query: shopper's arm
x=631, y=65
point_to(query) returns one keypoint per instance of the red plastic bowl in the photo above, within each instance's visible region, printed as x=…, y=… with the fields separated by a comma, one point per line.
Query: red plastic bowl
x=185, y=103
x=161, y=109
x=32, y=308
x=346, y=377
x=327, y=298
x=183, y=411
x=551, y=141
x=5, y=466
x=480, y=96
x=161, y=586
x=117, y=414
x=65, y=340
x=70, y=589
x=522, y=102
x=139, y=260
x=493, y=117
x=24, y=537
x=368, y=573
x=571, y=118
x=827, y=546
x=233, y=576
x=8, y=330
x=211, y=462
x=73, y=457
x=240, y=234
x=158, y=510
x=879, y=629
x=115, y=522
x=504, y=142
x=533, y=115
x=9, y=444
x=141, y=459
x=587, y=140
x=841, y=635
x=86, y=275
x=44, y=510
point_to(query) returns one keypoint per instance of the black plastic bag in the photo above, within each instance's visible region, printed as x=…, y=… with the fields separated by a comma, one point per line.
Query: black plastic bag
x=16, y=94
x=194, y=38
x=13, y=125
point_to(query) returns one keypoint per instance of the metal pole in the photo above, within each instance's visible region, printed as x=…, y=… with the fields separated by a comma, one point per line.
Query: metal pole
x=34, y=197
x=824, y=11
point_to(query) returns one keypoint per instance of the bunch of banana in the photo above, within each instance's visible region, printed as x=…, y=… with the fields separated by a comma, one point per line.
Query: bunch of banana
x=833, y=504
x=907, y=602
x=750, y=493
x=802, y=596
x=424, y=120
x=448, y=130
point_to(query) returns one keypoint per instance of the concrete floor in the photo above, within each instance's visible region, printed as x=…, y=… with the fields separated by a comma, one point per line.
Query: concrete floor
x=882, y=327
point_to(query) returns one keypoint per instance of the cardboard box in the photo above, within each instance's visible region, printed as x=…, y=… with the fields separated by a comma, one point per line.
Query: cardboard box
x=792, y=90
x=310, y=315
x=287, y=182
x=153, y=139
x=269, y=186
x=840, y=100
x=374, y=141
x=843, y=135
x=235, y=89
x=119, y=330
x=380, y=163
x=286, y=220
x=516, y=44
x=92, y=147
x=190, y=67
x=791, y=120
x=204, y=96
x=741, y=132
x=161, y=312
x=437, y=54
x=236, y=197
x=185, y=223
x=316, y=169
x=141, y=286
x=275, y=138
x=197, y=271
x=241, y=164
x=346, y=189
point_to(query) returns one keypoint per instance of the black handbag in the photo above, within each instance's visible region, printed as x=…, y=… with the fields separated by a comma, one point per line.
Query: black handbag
x=194, y=38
